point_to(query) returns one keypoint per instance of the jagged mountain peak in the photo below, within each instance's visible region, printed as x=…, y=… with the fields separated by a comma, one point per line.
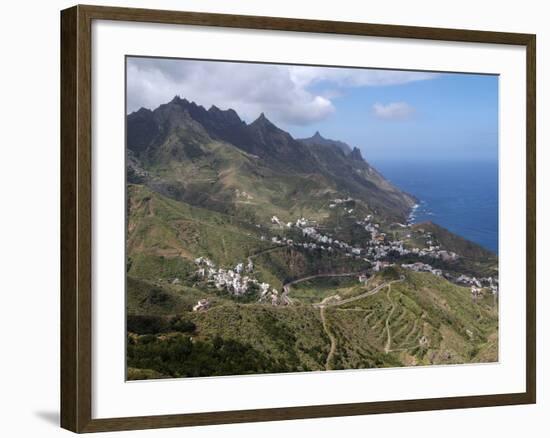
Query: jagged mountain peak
x=181, y=131
x=317, y=136
x=262, y=123
x=179, y=100
x=217, y=110
x=355, y=154
x=318, y=139
x=143, y=111
x=189, y=105
x=228, y=116
x=262, y=120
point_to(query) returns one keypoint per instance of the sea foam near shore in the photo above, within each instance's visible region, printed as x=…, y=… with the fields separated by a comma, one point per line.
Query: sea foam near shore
x=462, y=197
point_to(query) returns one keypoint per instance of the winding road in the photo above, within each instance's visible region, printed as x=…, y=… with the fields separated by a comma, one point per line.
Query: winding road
x=286, y=286
x=333, y=301
x=377, y=289
x=264, y=251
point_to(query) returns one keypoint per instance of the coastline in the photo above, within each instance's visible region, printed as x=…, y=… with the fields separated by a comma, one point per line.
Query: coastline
x=411, y=217
x=461, y=197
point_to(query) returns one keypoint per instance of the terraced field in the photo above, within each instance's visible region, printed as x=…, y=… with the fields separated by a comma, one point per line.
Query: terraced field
x=413, y=323
x=414, y=319
x=250, y=251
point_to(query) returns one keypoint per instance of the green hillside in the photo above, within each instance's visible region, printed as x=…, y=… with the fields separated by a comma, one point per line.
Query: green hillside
x=249, y=251
x=421, y=320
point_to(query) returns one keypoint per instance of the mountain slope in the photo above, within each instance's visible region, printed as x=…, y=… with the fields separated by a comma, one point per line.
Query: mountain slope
x=318, y=139
x=249, y=251
x=421, y=321
x=181, y=143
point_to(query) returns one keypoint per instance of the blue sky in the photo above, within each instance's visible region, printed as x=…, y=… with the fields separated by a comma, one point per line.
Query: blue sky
x=450, y=117
x=390, y=115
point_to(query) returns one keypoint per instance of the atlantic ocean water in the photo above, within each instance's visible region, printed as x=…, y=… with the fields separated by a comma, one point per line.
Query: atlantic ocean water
x=460, y=196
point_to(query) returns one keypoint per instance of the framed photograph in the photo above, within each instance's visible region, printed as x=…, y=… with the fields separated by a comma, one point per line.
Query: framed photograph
x=269, y=218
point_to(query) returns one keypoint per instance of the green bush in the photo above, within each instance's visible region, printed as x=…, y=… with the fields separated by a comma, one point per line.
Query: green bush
x=151, y=324
x=179, y=356
x=180, y=325
x=146, y=324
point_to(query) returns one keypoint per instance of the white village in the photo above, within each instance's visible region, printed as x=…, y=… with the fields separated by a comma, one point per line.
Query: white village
x=380, y=252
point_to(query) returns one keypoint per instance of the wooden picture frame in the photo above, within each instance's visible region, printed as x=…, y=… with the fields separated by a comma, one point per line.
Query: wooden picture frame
x=76, y=217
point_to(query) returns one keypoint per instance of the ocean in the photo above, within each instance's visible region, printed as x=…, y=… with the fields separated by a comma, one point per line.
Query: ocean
x=462, y=197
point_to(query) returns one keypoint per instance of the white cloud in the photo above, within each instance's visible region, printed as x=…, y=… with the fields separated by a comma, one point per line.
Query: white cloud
x=247, y=88
x=355, y=77
x=294, y=95
x=393, y=110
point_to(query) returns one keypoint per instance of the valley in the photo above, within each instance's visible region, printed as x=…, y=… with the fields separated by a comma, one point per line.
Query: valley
x=249, y=251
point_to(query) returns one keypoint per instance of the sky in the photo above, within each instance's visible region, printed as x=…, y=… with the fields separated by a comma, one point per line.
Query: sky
x=390, y=115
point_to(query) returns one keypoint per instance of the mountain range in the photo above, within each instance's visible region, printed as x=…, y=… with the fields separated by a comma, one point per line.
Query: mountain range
x=189, y=153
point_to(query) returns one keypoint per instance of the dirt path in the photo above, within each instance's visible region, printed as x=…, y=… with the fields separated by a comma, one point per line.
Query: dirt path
x=328, y=365
x=332, y=338
x=413, y=330
x=407, y=340
x=286, y=287
x=326, y=303
x=357, y=297
x=264, y=251
x=387, y=348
